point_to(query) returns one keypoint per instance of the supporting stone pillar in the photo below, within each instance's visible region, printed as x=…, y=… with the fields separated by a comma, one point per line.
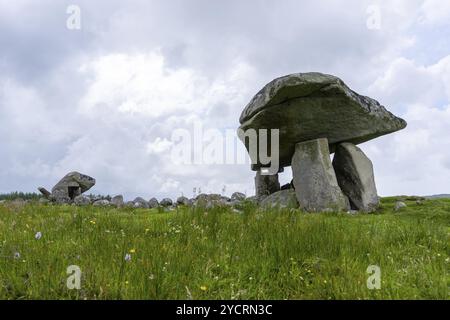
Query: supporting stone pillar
x=354, y=172
x=315, y=182
x=266, y=184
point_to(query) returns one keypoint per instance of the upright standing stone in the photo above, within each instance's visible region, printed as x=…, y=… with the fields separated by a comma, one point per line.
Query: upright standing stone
x=117, y=201
x=315, y=182
x=266, y=184
x=354, y=172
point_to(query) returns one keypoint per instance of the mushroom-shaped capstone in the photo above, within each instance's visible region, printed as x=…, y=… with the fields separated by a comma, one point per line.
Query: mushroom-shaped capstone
x=307, y=106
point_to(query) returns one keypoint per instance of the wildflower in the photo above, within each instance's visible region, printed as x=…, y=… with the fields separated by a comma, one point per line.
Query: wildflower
x=133, y=251
x=151, y=276
x=325, y=281
x=92, y=222
x=38, y=235
x=128, y=257
x=147, y=230
x=126, y=282
x=203, y=288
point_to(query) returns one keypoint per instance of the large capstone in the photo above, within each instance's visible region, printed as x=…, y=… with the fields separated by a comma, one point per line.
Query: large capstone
x=266, y=184
x=315, y=182
x=307, y=106
x=354, y=173
x=71, y=186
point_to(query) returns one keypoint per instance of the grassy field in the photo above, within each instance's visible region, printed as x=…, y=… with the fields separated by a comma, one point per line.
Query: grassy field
x=221, y=254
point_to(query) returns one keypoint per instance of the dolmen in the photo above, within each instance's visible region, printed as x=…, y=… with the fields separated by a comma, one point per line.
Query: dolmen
x=69, y=187
x=315, y=115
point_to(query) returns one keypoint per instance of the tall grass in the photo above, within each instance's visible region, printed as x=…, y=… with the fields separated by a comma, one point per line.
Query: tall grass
x=222, y=254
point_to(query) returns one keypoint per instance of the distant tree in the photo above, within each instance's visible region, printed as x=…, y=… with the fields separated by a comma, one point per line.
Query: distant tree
x=20, y=195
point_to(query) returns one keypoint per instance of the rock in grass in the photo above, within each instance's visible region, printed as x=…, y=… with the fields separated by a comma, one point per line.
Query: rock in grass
x=209, y=201
x=101, y=203
x=140, y=203
x=82, y=200
x=238, y=196
x=117, y=201
x=44, y=201
x=281, y=199
x=166, y=202
x=153, y=203
x=129, y=204
x=354, y=173
x=183, y=201
x=315, y=182
x=399, y=205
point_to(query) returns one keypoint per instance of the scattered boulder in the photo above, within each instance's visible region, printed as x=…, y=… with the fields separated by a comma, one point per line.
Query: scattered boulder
x=183, y=201
x=238, y=196
x=315, y=182
x=82, y=200
x=101, y=203
x=252, y=199
x=117, y=201
x=140, y=203
x=166, y=202
x=209, y=201
x=129, y=204
x=153, y=203
x=281, y=199
x=354, y=173
x=399, y=205
x=44, y=201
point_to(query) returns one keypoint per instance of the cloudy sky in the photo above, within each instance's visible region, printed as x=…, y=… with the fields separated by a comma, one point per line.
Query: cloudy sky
x=105, y=99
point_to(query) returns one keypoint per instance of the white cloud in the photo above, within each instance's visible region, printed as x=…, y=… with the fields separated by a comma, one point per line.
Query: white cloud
x=436, y=11
x=405, y=83
x=415, y=160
